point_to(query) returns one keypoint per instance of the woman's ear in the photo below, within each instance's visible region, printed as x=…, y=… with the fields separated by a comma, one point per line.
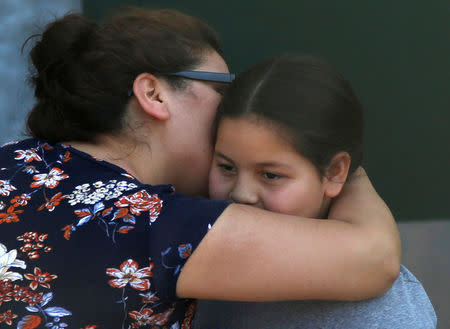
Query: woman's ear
x=336, y=174
x=149, y=92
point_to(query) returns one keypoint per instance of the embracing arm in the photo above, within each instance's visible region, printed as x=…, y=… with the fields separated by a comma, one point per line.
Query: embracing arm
x=255, y=255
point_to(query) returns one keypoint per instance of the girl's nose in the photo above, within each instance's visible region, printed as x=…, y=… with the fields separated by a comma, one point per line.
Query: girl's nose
x=244, y=192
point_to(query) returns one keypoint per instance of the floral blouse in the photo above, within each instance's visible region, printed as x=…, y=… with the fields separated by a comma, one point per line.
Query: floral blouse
x=83, y=244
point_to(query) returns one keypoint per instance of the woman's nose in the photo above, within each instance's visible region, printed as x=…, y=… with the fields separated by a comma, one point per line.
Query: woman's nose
x=244, y=192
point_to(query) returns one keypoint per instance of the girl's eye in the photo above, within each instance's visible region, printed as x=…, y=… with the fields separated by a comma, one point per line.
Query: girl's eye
x=226, y=168
x=271, y=176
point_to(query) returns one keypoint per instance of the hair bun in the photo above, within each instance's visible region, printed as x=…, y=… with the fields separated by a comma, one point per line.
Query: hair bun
x=62, y=43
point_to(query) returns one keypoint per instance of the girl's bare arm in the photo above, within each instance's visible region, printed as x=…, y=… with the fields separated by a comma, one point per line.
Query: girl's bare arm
x=255, y=255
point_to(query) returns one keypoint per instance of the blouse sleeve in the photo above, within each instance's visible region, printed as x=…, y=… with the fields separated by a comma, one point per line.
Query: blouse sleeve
x=181, y=225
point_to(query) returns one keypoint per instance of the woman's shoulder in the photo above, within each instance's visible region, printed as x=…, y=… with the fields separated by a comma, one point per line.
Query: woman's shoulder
x=183, y=205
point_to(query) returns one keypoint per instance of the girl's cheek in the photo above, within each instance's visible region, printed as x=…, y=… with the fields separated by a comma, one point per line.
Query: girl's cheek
x=280, y=200
x=273, y=204
x=218, y=187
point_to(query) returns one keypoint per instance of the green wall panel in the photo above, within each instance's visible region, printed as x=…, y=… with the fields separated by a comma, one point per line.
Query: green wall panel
x=395, y=53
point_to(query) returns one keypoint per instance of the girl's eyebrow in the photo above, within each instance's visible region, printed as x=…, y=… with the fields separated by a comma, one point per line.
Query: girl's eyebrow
x=258, y=164
x=223, y=156
x=272, y=164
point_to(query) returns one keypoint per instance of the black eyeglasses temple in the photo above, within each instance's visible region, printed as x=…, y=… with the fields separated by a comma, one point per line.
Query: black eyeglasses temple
x=206, y=76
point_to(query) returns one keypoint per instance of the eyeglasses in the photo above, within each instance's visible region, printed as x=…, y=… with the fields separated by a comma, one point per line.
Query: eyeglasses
x=201, y=75
x=205, y=76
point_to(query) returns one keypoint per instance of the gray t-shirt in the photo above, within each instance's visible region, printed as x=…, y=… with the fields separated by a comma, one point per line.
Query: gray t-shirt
x=405, y=305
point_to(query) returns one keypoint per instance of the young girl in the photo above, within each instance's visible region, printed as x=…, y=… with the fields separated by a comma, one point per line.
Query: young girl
x=290, y=133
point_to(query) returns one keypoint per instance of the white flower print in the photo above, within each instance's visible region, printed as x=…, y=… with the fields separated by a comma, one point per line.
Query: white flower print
x=98, y=191
x=98, y=184
x=7, y=260
x=50, y=180
x=73, y=202
x=130, y=274
x=6, y=188
x=27, y=155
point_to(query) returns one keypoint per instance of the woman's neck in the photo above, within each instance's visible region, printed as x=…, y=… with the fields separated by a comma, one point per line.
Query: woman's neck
x=132, y=156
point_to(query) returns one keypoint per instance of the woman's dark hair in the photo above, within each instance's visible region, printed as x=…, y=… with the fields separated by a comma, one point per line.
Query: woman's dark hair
x=84, y=71
x=309, y=102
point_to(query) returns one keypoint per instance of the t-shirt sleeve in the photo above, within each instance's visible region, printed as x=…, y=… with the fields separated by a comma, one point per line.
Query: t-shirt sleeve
x=181, y=225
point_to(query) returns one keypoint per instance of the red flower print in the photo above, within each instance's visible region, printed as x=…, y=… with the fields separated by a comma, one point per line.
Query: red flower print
x=33, y=255
x=4, y=297
x=125, y=229
x=26, y=247
x=146, y=317
x=27, y=155
x=107, y=211
x=40, y=278
x=122, y=213
x=10, y=216
x=90, y=326
x=42, y=237
x=189, y=315
x=50, y=180
x=68, y=229
x=5, y=291
x=33, y=243
x=33, y=298
x=20, y=200
x=66, y=157
x=129, y=273
x=28, y=237
x=149, y=298
x=29, y=322
x=6, y=188
x=7, y=317
x=53, y=202
x=5, y=286
x=142, y=201
x=47, y=147
x=19, y=292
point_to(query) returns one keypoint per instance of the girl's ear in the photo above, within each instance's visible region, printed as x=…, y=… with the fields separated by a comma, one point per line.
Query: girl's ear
x=149, y=92
x=336, y=174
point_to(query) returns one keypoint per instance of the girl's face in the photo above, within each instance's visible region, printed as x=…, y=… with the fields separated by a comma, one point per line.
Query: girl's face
x=253, y=165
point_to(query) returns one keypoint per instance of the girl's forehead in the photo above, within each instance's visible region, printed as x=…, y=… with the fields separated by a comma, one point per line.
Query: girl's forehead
x=245, y=137
x=255, y=126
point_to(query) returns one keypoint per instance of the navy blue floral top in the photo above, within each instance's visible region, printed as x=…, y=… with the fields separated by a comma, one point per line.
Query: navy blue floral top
x=83, y=244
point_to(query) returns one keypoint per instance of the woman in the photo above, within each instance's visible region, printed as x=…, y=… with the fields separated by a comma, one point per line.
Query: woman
x=293, y=154
x=92, y=232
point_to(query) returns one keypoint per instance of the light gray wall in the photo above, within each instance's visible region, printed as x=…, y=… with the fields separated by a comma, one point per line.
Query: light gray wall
x=425, y=247
x=18, y=20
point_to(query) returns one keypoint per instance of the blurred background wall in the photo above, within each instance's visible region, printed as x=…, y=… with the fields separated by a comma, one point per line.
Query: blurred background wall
x=19, y=19
x=396, y=55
